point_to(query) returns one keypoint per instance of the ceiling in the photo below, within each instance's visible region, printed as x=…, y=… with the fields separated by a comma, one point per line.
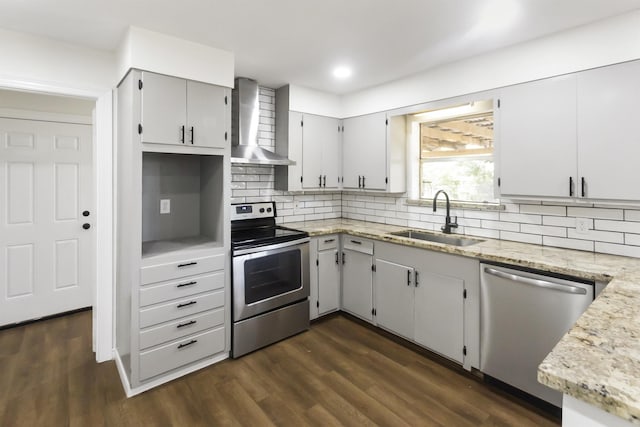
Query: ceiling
x=301, y=41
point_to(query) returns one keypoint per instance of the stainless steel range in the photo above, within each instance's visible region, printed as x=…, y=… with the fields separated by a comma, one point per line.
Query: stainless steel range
x=270, y=266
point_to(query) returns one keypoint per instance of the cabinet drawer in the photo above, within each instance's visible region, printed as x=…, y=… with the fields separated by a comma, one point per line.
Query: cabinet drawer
x=358, y=244
x=171, y=356
x=181, y=268
x=180, y=328
x=180, y=308
x=327, y=242
x=181, y=288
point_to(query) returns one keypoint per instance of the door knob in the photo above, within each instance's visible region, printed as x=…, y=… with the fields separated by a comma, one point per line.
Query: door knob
x=86, y=213
x=86, y=226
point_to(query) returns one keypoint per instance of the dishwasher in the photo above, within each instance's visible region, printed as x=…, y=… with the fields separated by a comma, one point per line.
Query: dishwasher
x=524, y=314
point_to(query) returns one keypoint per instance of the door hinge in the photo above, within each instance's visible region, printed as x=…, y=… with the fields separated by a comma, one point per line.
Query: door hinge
x=225, y=100
x=301, y=123
x=140, y=84
x=464, y=350
x=373, y=312
x=318, y=304
x=499, y=182
x=373, y=267
x=386, y=122
x=498, y=103
x=317, y=262
x=464, y=293
x=300, y=179
x=225, y=136
x=139, y=129
x=386, y=180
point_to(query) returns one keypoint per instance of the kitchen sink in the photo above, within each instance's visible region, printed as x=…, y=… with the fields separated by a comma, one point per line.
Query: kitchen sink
x=437, y=238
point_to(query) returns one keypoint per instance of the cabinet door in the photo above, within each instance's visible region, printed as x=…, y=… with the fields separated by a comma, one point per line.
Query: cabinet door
x=609, y=132
x=328, y=281
x=538, y=138
x=394, y=285
x=439, y=314
x=207, y=109
x=364, y=152
x=331, y=154
x=357, y=286
x=315, y=133
x=164, y=109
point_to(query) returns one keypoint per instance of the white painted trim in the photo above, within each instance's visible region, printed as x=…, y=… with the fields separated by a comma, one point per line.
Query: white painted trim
x=165, y=378
x=14, y=113
x=122, y=373
x=103, y=308
x=103, y=171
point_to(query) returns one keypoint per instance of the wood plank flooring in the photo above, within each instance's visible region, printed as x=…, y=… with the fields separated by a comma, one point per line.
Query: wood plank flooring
x=338, y=373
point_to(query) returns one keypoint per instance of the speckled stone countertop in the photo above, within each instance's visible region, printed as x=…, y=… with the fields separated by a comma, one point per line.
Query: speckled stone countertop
x=598, y=360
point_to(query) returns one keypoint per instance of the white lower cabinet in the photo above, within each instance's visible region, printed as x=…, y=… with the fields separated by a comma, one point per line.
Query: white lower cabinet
x=325, y=275
x=357, y=277
x=430, y=298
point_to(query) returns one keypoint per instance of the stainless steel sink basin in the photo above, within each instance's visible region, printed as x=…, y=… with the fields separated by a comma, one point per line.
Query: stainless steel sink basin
x=438, y=238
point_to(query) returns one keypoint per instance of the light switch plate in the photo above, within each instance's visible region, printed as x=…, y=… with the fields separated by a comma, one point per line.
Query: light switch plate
x=583, y=225
x=165, y=206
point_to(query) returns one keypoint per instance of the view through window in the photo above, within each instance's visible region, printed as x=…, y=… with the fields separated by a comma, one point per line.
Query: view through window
x=456, y=152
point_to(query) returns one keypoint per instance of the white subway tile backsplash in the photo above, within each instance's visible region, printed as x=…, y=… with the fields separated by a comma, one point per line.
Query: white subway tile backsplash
x=483, y=232
x=495, y=216
x=521, y=218
x=598, y=236
x=622, y=226
x=559, y=242
x=543, y=210
x=558, y=221
x=503, y=226
x=632, y=239
x=521, y=237
x=611, y=248
x=597, y=213
x=632, y=215
x=543, y=230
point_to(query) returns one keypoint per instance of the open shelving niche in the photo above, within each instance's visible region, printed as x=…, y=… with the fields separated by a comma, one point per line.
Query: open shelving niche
x=194, y=185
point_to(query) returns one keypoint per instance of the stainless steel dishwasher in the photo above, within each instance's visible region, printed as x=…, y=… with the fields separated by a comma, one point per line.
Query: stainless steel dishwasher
x=523, y=316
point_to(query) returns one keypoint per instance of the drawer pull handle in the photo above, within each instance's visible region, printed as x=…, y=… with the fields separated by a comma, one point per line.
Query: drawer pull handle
x=329, y=240
x=186, y=284
x=355, y=242
x=187, y=304
x=182, y=325
x=187, y=264
x=187, y=344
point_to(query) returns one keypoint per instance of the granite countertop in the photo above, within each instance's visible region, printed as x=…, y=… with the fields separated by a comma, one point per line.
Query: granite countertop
x=598, y=360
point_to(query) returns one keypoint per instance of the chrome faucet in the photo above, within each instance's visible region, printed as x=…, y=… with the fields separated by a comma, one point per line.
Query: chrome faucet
x=448, y=225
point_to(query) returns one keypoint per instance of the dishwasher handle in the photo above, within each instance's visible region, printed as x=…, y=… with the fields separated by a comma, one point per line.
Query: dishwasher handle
x=536, y=282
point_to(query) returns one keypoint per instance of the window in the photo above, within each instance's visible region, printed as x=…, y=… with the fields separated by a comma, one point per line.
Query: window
x=456, y=152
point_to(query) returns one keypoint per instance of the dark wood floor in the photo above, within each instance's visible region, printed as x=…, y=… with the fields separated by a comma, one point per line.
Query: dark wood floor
x=338, y=373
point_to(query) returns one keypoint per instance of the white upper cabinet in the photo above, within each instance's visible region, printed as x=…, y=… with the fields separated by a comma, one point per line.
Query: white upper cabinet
x=609, y=132
x=178, y=111
x=365, y=152
x=321, y=138
x=164, y=108
x=538, y=138
x=207, y=109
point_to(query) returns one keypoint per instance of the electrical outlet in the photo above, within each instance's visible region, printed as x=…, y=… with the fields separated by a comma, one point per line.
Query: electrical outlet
x=165, y=206
x=582, y=225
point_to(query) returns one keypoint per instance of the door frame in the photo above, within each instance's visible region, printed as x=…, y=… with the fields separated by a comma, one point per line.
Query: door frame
x=102, y=165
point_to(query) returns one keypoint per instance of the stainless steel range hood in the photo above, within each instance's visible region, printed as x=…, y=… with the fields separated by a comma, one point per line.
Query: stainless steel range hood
x=245, y=117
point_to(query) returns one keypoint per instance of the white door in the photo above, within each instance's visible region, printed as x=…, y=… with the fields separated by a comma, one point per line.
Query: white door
x=45, y=186
x=328, y=281
x=357, y=284
x=394, y=284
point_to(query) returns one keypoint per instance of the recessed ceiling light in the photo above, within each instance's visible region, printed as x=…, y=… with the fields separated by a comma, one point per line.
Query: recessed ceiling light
x=342, y=72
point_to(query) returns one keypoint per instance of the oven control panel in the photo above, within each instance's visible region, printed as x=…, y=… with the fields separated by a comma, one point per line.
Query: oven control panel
x=253, y=210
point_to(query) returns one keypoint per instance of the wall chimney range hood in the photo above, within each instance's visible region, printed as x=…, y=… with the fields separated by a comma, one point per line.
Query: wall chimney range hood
x=245, y=117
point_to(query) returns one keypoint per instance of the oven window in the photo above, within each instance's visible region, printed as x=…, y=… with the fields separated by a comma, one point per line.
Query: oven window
x=271, y=275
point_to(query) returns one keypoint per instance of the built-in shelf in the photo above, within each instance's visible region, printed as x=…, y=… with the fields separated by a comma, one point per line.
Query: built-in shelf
x=154, y=250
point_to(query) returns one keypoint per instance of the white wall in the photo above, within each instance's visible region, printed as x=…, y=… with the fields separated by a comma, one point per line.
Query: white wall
x=314, y=102
x=39, y=62
x=151, y=51
x=602, y=43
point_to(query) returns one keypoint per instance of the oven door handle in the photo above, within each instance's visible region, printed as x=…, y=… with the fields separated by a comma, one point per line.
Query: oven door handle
x=296, y=242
